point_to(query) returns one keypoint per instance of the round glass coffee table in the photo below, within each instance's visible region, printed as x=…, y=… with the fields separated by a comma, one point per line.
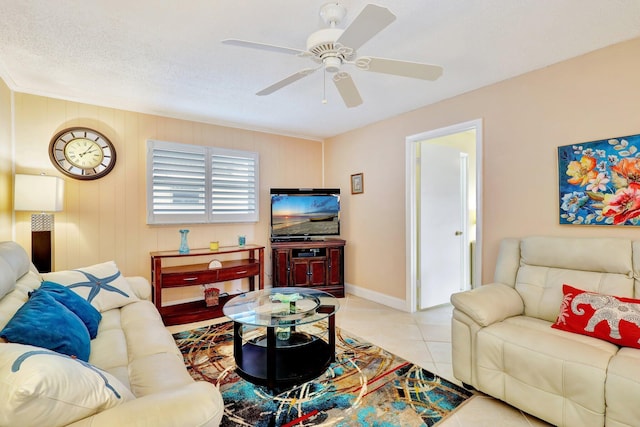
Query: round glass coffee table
x=279, y=339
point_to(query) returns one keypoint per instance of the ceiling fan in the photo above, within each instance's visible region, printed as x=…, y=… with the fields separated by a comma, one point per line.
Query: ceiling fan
x=333, y=47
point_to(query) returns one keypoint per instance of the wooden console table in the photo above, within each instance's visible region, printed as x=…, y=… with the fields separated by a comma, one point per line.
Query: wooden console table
x=189, y=274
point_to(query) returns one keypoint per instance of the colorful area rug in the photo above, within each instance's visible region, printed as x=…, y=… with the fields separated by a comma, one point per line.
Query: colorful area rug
x=366, y=386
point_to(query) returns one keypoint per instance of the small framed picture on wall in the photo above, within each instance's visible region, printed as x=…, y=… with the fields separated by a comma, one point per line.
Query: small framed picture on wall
x=357, y=183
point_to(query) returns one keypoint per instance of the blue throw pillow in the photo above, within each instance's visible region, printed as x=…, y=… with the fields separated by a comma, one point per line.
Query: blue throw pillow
x=74, y=302
x=44, y=322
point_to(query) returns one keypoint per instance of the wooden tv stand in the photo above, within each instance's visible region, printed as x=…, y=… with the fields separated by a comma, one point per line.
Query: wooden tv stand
x=317, y=264
x=250, y=265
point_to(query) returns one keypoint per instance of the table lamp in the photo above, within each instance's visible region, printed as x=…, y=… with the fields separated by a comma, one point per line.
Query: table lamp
x=40, y=193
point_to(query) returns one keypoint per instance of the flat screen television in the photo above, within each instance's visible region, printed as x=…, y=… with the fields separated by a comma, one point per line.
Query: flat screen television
x=301, y=213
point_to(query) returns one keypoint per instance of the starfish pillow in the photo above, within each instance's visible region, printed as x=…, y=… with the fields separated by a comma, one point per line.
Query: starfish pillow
x=102, y=285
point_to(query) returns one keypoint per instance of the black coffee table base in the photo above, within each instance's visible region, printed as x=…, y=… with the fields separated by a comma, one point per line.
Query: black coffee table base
x=280, y=365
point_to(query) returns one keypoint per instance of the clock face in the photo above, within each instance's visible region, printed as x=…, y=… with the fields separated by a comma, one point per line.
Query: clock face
x=82, y=153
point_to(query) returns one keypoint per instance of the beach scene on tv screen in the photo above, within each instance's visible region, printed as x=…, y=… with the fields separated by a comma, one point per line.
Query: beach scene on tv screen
x=299, y=215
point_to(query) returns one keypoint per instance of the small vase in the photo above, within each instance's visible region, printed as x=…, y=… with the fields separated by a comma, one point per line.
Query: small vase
x=184, y=246
x=283, y=333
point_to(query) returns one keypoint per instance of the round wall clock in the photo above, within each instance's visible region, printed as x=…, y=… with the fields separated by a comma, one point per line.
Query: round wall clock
x=82, y=153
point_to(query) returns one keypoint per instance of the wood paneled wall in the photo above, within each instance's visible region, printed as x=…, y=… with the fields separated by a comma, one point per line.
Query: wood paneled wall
x=6, y=164
x=105, y=219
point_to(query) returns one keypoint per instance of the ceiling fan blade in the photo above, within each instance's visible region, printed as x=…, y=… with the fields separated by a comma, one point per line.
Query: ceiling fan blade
x=414, y=70
x=264, y=46
x=367, y=24
x=347, y=88
x=286, y=81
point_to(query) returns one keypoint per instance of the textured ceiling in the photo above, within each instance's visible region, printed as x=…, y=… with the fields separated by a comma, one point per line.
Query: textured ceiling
x=165, y=57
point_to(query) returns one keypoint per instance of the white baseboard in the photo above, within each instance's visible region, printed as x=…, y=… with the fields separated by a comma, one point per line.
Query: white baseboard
x=397, y=303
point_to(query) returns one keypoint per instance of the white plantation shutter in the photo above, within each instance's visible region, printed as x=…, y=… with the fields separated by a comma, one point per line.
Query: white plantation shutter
x=177, y=175
x=234, y=176
x=197, y=184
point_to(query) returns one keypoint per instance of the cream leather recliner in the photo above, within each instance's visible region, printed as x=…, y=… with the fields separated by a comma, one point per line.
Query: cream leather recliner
x=504, y=346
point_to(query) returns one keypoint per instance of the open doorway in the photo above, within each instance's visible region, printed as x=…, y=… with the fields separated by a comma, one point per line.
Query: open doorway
x=443, y=213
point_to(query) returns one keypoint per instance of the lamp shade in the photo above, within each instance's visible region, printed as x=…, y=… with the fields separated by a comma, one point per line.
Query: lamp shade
x=38, y=193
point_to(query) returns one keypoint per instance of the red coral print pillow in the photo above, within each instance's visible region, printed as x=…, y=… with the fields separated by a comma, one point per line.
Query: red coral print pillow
x=610, y=318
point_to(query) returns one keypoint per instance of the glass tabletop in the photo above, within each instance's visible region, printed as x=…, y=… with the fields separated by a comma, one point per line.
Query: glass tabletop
x=281, y=307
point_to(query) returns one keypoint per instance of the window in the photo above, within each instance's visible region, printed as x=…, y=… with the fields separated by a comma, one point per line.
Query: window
x=198, y=184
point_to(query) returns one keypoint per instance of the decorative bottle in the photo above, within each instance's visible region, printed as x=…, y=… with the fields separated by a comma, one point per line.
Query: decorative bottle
x=184, y=246
x=283, y=333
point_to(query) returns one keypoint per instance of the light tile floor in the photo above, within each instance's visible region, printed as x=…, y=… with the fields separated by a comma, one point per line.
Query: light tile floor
x=423, y=338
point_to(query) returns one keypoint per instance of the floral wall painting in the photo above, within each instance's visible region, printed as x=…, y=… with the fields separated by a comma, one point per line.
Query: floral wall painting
x=599, y=182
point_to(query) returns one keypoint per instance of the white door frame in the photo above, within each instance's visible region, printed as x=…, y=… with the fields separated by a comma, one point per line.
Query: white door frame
x=411, y=206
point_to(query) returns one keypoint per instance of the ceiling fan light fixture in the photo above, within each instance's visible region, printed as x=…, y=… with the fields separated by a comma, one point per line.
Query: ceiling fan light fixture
x=332, y=64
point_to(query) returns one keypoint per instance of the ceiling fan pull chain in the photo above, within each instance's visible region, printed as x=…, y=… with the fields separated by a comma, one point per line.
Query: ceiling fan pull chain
x=324, y=85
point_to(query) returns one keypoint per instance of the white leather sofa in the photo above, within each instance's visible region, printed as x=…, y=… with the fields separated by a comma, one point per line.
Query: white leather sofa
x=132, y=345
x=503, y=343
